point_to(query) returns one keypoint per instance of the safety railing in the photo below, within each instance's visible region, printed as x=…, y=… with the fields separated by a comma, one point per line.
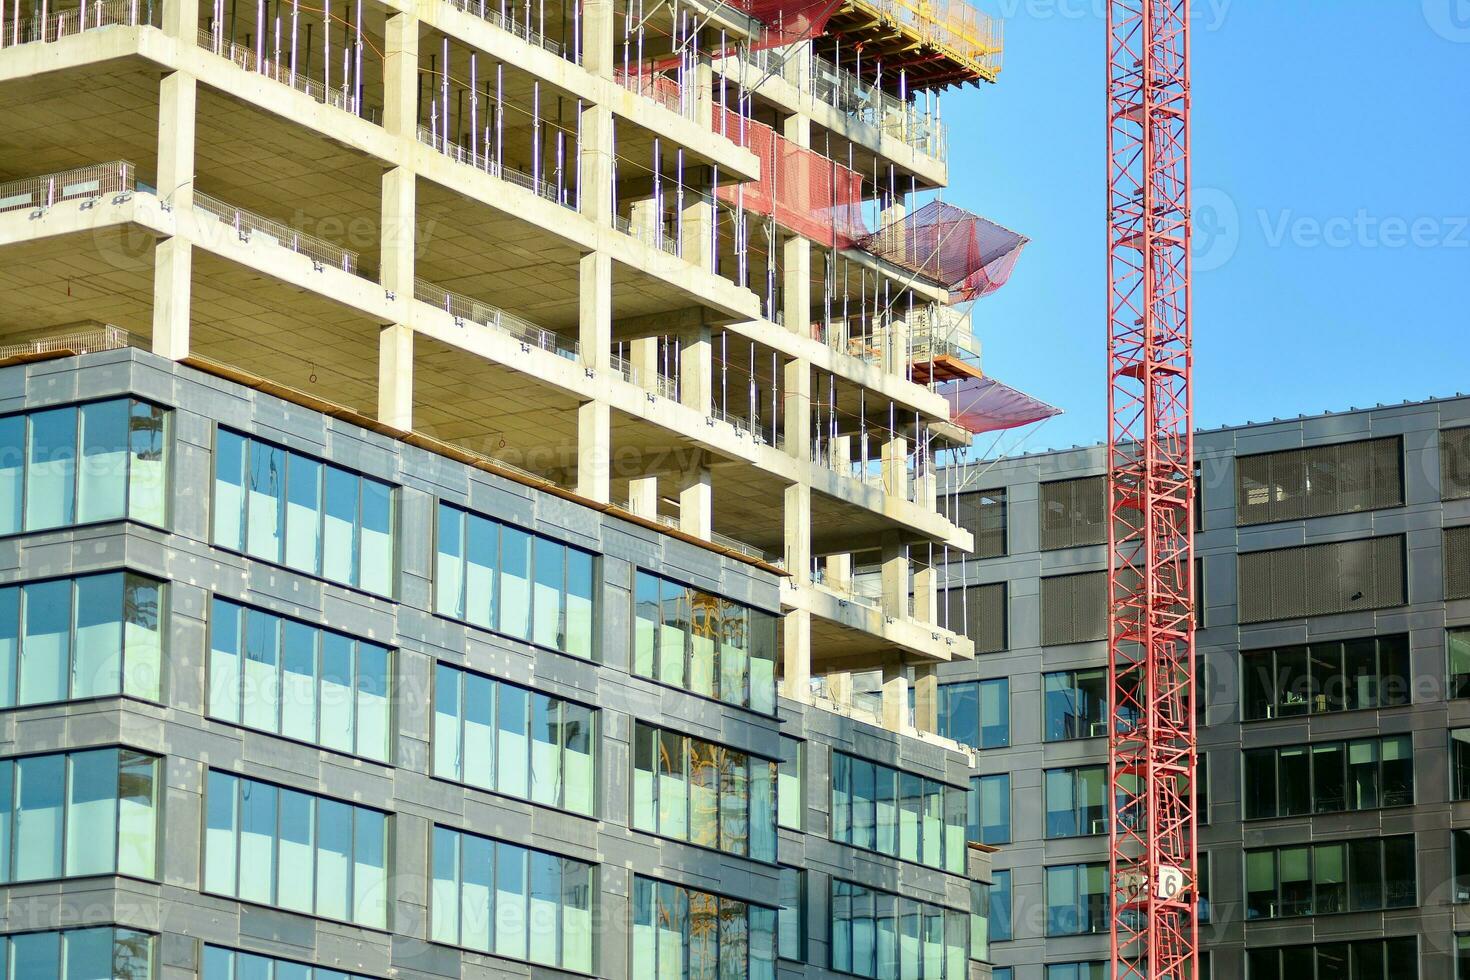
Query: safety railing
x=466, y=310
x=498, y=14
x=57, y=24
x=104, y=337
x=868, y=104
x=251, y=227
x=656, y=382
x=555, y=191
x=662, y=88
x=662, y=235
x=258, y=62
x=950, y=24
x=69, y=185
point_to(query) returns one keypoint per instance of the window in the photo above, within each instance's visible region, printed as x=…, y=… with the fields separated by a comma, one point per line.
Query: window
x=1454, y=463
x=791, y=916
x=1329, y=777
x=88, y=954
x=512, y=901
x=1321, y=878
x=989, y=816
x=1074, y=608
x=1202, y=789
x=513, y=740
x=680, y=932
x=703, y=793
x=67, y=639
x=881, y=935
x=700, y=642
x=1460, y=763
x=1322, y=579
x=1365, y=959
x=1074, y=512
x=978, y=612
x=1202, y=888
x=980, y=921
x=1458, y=641
x=291, y=678
x=1076, y=899
x=103, y=461
x=976, y=713
x=78, y=814
x=1076, y=801
x=1076, y=704
x=1316, y=678
x=791, y=784
x=1001, y=973
x=882, y=809
x=501, y=578
x=270, y=845
x=293, y=510
x=1091, y=970
x=1000, y=906
x=983, y=514
x=1318, y=481
x=228, y=964
x=1457, y=562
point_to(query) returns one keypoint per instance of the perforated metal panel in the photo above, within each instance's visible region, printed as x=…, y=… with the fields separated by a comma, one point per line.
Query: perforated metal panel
x=983, y=514
x=979, y=612
x=1457, y=562
x=1074, y=512
x=1074, y=608
x=1320, y=480
x=1321, y=579
x=1454, y=463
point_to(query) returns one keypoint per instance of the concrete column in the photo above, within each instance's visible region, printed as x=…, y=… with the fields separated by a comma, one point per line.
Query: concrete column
x=696, y=502
x=172, y=271
x=643, y=216
x=597, y=37
x=798, y=67
x=181, y=20
x=895, y=467
x=594, y=450
x=696, y=373
x=798, y=517
x=895, y=577
x=643, y=496
x=401, y=74
x=839, y=571
x=926, y=698
x=397, y=233
x=895, y=698
x=395, y=376
x=897, y=353
x=926, y=596
x=595, y=187
x=698, y=245
x=796, y=655
x=796, y=284
x=796, y=409
x=839, y=686
x=644, y=356
x=594, y=311
x=176, y=99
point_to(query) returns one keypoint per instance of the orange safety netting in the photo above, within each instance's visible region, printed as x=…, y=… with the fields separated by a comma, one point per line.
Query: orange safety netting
x=802, y=190
x=963, y=252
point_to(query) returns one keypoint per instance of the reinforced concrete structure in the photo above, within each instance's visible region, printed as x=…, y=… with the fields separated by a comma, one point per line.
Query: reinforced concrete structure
x=1333, y=649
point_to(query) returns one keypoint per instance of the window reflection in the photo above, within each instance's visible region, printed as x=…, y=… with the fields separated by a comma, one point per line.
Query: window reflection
x=879, y=808
x=682, y=932
x=89, y=954
x=704, y=793
x=881, y=935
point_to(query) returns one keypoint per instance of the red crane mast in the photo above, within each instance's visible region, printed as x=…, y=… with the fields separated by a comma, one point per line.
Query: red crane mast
x=1151, y=743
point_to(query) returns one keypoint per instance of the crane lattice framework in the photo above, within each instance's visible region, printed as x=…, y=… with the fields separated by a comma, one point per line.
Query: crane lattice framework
x=1151, y=486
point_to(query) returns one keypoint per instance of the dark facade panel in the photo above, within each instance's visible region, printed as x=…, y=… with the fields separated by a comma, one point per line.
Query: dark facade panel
x=1454, y=463
x=984, y=515
x=1074, y=512
x=1322, y=579
x=1074, y=608
x=1318, y=481
x=1457, y=562
x=980, y=613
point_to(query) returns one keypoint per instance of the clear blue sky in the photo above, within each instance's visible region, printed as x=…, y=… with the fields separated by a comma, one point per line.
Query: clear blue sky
x=1323, y=131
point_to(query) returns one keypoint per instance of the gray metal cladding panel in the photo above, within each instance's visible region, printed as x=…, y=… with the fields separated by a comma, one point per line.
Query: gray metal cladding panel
x=1074, y=608
x=978, y=612
x=1322, y=579
x=1317, y=481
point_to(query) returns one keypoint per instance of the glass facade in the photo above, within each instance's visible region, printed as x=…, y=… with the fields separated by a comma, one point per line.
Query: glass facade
x=1329, y=777
x=884, y=936
x=1076, y=801
x=1316, y=678
x=703, y=643
x=1076, y=899
x=512, y=740
x=989, y=811
x=77, y=814
x=289, y=509
x=791, y=784
x=1365, y=959
x=81, y=464
x=88, y=637
x=1458, y=643
x=1340, y=876
x=500, y=898
x=897, y=813
x=693, y=935
x=1076, y=704
x=269, y=845
x=298, y=680
x=229, y=964
x=99, y=953
x=1090, y=970
x=976, y=713
x=999, y=906
x=791, y=915
x=703, y=793
x=505, y=579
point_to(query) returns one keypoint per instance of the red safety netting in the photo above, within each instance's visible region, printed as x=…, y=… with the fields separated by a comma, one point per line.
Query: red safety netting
x=787, y=21
x=804, y=191
x=986, y=405
x=963, y=252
